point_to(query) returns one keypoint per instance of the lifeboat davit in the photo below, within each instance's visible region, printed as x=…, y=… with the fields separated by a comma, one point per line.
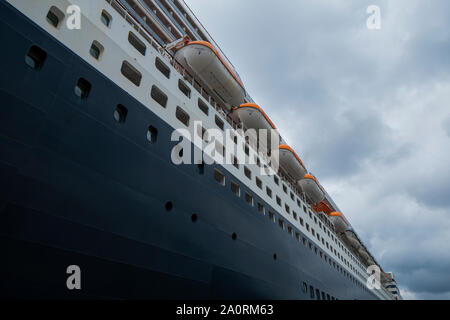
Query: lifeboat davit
x=206, y=64
x=253, y=117
x=339, y=222
x=291, y=163
x=312, y=189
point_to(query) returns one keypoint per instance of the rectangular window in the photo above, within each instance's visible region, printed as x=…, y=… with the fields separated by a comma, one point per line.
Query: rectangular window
x=281, y=223
x=55, y=16
x=286, y=207
x=269, y=192
x=284, y=188
x=261, y=208
x=292, y=196
x=106, y=18
x=234, y=161
x=271, y=216
x=183, y=116
x=249, y=199
x=276, y=180
x=96, y=50
x=278, y=201
x=131, y=73
x=162, y=67
x=219, y=122
x=247, y=172
x=301, y=221
x=137, y=43
x=258, y=183
x=219, y=177
x=203, y=107
x=247, y=149
x=184, y=88
x=235, y=188
x=159, y=96
x=294, y=214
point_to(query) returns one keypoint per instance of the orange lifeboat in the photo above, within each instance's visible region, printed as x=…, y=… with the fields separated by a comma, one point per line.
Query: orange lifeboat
x=339, y=221
x=205, y=63
x=312, y=188
x=351, y=237
x=291, y=163
x=253, y=117
x=322, y=207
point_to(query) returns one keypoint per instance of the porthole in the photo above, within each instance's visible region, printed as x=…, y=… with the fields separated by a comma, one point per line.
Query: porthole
x=201, y=168
x=96, y=50
x=120, y=113
x=106, y=18
x=82, y=88
x=152, y=134
x=35, y=57
x=55, y=16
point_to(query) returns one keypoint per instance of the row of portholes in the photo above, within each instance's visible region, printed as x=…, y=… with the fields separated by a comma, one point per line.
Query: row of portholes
x=35, y=59
x=169, y=206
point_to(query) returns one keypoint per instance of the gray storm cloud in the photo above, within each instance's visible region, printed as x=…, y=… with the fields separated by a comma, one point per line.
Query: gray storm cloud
x=367, y=110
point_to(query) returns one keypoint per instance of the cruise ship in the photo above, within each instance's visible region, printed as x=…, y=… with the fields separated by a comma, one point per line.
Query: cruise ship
x=92, y=93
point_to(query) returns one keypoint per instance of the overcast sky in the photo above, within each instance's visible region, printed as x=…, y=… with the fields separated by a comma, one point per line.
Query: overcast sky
x=368, y=111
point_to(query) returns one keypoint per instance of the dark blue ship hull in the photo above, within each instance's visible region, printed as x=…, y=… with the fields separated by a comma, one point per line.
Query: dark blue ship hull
x=78, y=188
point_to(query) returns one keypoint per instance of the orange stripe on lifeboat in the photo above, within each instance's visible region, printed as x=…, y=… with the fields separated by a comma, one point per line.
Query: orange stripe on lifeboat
x=286, y=147
x=255, y=106
x=226, y=65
